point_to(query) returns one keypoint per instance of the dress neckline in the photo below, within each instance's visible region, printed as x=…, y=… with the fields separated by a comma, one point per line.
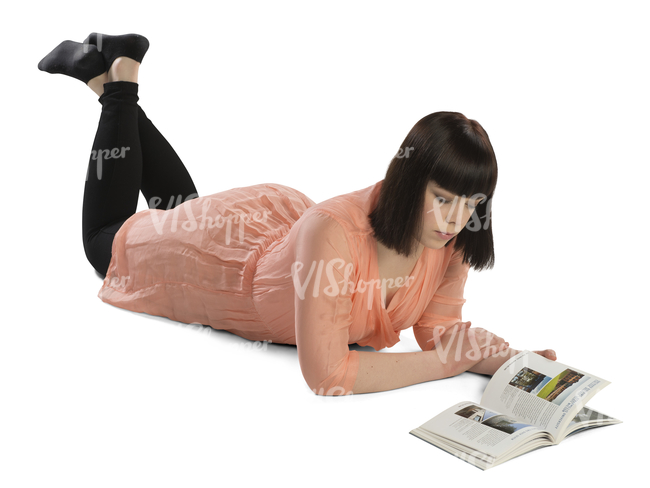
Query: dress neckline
x=398, y=296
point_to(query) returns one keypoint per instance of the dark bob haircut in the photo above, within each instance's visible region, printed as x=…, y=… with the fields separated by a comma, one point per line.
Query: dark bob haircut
x=456, y=154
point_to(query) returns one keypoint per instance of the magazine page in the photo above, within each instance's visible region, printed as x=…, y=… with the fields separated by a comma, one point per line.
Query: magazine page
x=588, y=418
x=545, y=393
x=468, y=430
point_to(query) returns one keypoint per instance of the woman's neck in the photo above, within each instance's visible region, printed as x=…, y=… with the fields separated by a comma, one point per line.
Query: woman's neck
x=388, y=258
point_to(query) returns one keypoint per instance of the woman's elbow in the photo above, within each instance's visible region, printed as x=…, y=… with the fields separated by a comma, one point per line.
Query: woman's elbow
x=323, y=387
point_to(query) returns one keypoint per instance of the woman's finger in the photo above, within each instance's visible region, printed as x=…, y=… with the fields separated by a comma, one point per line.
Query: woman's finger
x=494, y=347
x=491, y=338
x=489, y=351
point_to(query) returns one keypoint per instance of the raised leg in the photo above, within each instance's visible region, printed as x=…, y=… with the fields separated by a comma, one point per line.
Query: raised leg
x=166, y=182
x=114, y=172
x=165, y=179
x=129, y=154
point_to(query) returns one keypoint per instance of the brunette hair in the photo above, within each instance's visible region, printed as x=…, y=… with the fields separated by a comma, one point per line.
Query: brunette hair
x=456, y=154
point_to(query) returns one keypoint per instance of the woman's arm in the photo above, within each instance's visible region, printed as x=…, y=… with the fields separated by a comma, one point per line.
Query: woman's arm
x=387, y=371
x=490, y=365
x=323, y=317
x=323, y=307
x=459, y=349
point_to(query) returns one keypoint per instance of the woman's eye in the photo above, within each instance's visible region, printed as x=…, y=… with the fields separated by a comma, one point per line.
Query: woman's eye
x=442, y=201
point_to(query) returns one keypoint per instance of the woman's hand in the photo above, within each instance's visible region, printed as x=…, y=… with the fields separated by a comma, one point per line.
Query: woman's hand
x=490, y=365
x=460, y=347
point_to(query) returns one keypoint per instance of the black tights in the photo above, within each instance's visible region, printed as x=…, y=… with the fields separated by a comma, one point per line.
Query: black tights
x=129, y=155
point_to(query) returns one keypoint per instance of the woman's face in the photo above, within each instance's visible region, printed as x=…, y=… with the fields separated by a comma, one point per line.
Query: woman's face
x=445, y=215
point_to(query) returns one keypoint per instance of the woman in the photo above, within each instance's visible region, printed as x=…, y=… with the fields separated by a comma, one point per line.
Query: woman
x=267, y=263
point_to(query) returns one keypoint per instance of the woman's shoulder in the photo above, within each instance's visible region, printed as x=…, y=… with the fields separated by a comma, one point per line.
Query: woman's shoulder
x=349, y=210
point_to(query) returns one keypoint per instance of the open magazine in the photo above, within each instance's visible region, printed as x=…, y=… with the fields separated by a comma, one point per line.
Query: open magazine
x=530, y=402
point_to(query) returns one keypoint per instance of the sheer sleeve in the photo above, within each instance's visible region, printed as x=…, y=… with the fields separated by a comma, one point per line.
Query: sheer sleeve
x=321, y=273
x=446, y=305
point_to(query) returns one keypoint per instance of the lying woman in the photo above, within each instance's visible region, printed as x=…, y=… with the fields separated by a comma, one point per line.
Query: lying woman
x=268, y=264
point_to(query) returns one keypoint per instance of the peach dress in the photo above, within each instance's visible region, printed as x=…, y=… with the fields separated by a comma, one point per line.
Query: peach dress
x=268, y=264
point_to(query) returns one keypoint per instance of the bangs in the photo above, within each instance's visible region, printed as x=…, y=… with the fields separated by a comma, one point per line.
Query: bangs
x=466, y=169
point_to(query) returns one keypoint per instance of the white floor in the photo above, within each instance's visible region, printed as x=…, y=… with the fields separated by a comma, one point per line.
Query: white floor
x=319, y=98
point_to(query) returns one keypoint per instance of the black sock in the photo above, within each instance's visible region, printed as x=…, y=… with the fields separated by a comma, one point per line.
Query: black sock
x=132, y=46
x=74, y=59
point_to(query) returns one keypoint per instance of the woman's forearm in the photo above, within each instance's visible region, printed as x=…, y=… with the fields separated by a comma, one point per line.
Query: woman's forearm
x=490, y=365
x=387, y=371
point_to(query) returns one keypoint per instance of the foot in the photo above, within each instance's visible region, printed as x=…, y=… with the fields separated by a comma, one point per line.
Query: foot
x=97, y=83
x=82, y=62
x=133, y=46
x=124, y=69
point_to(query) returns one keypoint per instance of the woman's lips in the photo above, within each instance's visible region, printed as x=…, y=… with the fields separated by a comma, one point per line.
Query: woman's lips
x=444, y=235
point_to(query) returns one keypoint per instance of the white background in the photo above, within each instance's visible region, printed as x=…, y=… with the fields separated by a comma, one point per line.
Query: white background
x=319, y=96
